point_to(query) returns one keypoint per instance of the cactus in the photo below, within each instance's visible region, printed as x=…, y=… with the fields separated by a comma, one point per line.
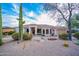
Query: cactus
x=21, y=22
x=0, y=25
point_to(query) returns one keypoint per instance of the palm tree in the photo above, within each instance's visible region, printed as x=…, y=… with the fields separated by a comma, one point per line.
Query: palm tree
x=0, y=25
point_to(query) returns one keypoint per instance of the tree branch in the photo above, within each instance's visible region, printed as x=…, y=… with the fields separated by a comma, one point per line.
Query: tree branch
x=62, y=14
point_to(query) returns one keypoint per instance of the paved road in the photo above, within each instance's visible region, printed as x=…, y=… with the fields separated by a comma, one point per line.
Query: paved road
x=39, y=48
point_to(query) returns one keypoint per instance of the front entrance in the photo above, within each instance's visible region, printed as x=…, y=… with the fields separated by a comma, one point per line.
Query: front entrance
x=33, y=30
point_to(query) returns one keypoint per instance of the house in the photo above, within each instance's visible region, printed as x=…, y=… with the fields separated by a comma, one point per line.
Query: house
x=43, y=29
x=39, y=29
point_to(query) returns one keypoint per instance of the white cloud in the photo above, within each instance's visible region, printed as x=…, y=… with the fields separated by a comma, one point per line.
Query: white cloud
x=15, y=8
x=43, y=18
x=10, y=20
x=28, y=20
x=46, y=19
x=31, y=14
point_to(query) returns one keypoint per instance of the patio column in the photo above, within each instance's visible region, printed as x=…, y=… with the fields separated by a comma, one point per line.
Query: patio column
x=42, y=31
x=49, y=31
x=45, y=31
x=35, y=30
x=29, y=30
x=55, y=32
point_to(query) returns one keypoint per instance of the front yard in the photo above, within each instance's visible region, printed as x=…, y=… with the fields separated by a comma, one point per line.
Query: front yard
x=39, y=48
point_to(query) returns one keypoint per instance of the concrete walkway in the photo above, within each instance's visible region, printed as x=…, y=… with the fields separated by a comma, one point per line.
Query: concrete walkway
x=39, y=48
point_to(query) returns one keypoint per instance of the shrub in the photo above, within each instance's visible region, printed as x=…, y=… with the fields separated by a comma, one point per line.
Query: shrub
x=66, y=44
x=63, y=36
x=1, y=42
x=76, y=35
x=8, y=33
x=73, y=31
x=30, y=36
x=15, y=36
x=27, y=36
x=4, y=33
x=11, y=32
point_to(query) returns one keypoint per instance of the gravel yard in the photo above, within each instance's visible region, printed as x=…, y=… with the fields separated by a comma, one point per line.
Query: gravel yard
x=39, y=48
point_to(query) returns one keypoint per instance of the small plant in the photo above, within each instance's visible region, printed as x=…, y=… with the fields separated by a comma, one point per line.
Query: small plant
x=65, y=44
x=27, y=36
x=76, y=35
x=11, y=32
x=15, y=36
x=30, y=36
x=63, y=36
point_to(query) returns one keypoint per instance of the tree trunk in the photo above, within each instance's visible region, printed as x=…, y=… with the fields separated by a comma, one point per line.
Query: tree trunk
x=69, y=31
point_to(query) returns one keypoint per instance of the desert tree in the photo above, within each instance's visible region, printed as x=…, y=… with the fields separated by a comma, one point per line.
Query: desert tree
x=64, y=12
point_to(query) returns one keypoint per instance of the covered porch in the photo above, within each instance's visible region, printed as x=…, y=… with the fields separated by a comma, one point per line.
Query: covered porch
x=41, y=31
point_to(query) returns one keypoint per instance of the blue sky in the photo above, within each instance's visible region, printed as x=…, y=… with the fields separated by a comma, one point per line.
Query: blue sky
x=32, y=13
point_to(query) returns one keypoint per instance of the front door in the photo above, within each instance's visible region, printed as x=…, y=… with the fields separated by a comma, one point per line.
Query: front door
x=33, y=30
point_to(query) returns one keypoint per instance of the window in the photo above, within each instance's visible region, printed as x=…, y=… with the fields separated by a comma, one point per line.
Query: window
x=38, y=31
x=47, y=31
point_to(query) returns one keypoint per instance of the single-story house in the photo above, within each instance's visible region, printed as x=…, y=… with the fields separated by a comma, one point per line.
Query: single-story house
x=43, y=29
x=39, y=29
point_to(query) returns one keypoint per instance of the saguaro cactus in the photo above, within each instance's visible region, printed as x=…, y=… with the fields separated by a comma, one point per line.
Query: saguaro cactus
x=0, y=25
x=21, y=22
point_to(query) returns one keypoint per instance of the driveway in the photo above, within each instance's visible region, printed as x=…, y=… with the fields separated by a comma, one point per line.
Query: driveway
x=39, y=48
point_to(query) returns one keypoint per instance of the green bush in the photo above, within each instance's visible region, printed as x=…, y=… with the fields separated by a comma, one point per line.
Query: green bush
x=15, y=36
x=8, y=33
x=11, y=32
x=63, y=36
x=76, y=35
x=30, y=36
x=65, y=45
x=1, y=42
x=73, y=31
x=4, y=33
x=26, y=36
